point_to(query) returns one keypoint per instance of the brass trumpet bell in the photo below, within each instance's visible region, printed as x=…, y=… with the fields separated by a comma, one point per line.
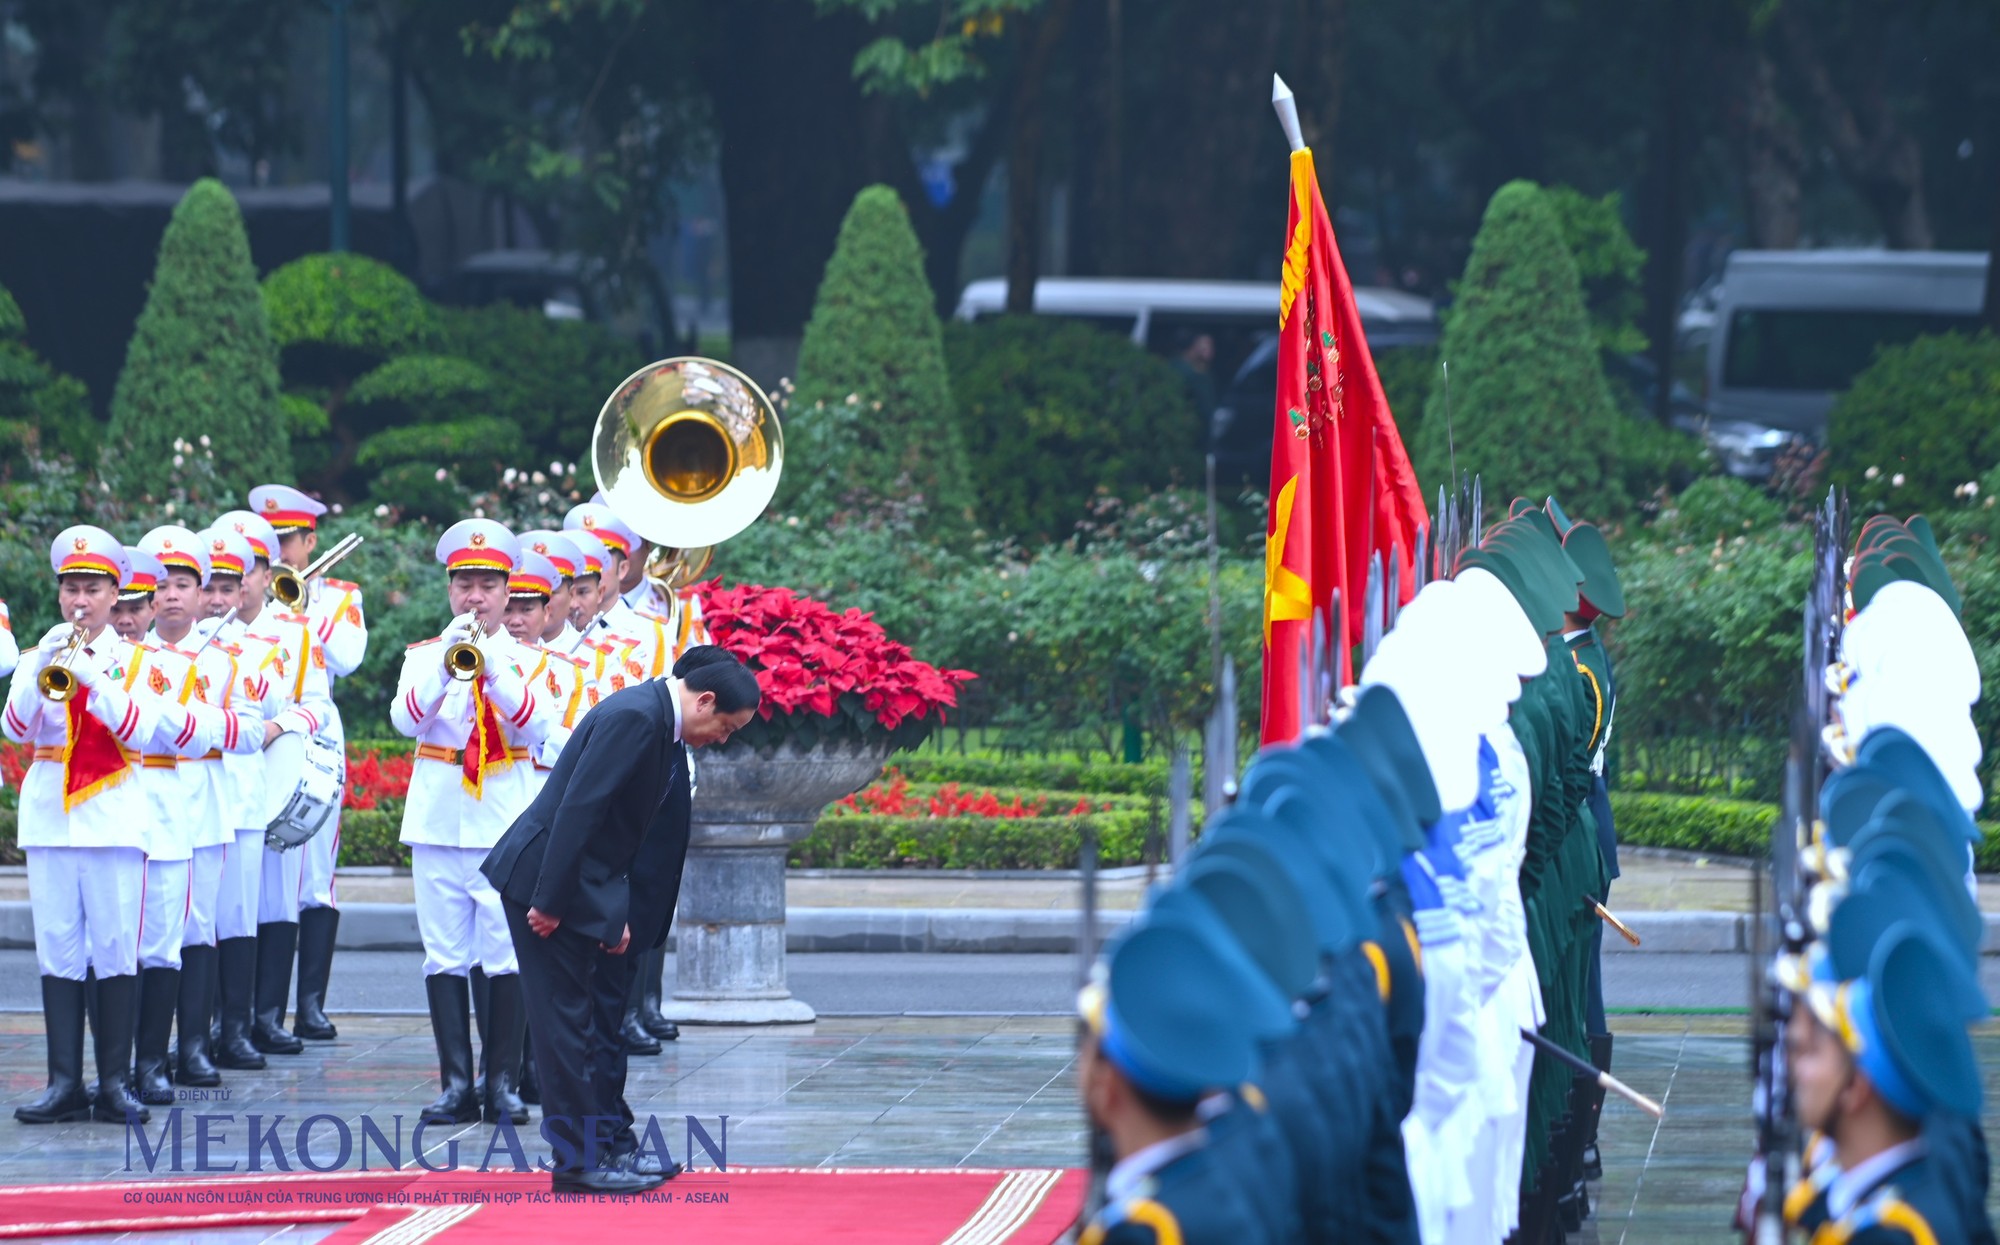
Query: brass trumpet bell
x=463, y=660
x=688, y=452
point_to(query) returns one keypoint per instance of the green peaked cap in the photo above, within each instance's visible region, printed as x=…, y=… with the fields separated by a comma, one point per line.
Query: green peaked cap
x=1586, y=547
x=1541, y=612
x=1920, y=527
x=1556, y=515
x=1542, y=560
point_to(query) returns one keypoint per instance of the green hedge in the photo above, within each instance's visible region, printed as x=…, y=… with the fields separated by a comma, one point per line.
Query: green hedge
x=1046, y=773
x=869, y=842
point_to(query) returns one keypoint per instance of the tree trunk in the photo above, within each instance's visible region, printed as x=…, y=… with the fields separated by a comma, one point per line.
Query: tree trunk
x=1664, y=209
x=1024, y=157
x=1877, y=155
x=787, y=163
x=1770, y=157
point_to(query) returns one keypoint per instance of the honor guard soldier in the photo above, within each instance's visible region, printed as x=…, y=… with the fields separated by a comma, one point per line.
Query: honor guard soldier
x=1171, y=1021
x=595, y=649
x=271, y=671
x=84, y=826
x=465, y=697
x=203, y=798
x=335, y=608
x=10, y=650
x=294, y=665
x=132, y=615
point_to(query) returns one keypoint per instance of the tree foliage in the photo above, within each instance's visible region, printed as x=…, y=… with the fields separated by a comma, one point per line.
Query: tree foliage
x=201, y=361
x=874, y=334
x=1529, y=409
x=1055, y=413
x=1919, y=422
x=1610, y=265
x=337, y=315
x=40, y=408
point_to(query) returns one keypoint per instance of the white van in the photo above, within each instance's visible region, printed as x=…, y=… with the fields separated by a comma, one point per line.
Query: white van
x=1793, y=328
x=1161, y=313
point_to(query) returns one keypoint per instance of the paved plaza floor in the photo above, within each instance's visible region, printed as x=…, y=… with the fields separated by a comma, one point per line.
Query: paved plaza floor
x=919, y=1092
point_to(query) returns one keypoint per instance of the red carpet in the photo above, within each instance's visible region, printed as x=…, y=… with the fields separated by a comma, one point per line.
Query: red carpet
x=881, y=1206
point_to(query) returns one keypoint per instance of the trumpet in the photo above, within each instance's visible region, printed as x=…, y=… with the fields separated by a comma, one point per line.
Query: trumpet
x=290, y=588
x=463, y=660
x=57, y=681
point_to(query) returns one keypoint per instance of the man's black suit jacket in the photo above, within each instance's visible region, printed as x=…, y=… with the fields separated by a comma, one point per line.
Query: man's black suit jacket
x=603, y=844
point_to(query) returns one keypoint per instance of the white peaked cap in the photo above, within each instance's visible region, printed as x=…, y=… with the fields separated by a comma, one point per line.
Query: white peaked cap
x=1908, y=635
x=1518, y=642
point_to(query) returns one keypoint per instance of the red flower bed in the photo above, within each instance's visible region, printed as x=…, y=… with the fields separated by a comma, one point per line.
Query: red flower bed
x=836, y=670
x=892, y=798
x=14, y=761
x=373, y=778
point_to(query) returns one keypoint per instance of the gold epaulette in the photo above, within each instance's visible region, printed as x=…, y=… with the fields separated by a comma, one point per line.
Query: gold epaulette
x=436, y=639
x=340, y=585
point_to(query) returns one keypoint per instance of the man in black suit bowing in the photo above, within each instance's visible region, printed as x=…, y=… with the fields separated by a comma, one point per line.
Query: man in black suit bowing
x=585, y=867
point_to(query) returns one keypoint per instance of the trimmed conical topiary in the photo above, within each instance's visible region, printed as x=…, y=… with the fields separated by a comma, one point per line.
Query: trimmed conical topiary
x=874, y=336
x=1528, y=407
x=201, y=361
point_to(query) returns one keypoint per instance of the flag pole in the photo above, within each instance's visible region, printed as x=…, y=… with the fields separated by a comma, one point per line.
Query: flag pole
x=1288, y=112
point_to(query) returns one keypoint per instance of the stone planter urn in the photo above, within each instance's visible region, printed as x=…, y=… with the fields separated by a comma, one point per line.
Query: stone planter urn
x=729, y=928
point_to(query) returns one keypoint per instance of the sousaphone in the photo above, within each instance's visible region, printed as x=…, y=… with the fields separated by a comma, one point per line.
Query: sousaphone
x=687, y=452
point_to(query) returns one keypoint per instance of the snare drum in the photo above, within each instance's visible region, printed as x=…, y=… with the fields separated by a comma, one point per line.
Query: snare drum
x=304, y=781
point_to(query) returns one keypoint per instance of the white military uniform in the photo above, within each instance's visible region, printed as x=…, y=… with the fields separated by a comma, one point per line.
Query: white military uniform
x=86, y=861
x=10, y=650
x=293, y=669
x=448, y=828
x=203, y=806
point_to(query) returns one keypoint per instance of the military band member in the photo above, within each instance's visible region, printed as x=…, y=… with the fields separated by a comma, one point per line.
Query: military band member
x=476, y=733
x=335, y=608
x=586, y=587
x=132, y=614
x=204, y=792
x=272, y=673
x=642, y=646
x=554, y=674
x=10, y=651
x=559, y=633
x=294, y=664
x=84, y=826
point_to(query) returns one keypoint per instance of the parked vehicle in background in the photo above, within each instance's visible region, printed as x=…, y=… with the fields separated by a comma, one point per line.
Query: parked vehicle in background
x=1793, y=328
x=1239, y=317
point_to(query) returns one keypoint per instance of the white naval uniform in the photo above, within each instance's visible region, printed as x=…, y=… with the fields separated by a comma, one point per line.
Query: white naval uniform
x=681, y=612
x=205, y=790
x=631, y=647
x=10, y=649
x=448, y=829
x=342, y=632
x=1512, y=1000
x=239, y=901
x=298, y=677
x=182, y=730
x=87, y=865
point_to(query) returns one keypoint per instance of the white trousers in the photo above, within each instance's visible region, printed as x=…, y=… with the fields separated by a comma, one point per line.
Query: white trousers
x=458, y=913
x=86, y=902
x=278, y=899
x=242, y=879
x=164, y=922
x=204, y=892
x=316, y=860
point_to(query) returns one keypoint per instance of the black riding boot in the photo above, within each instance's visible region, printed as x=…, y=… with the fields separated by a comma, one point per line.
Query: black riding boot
x=197, y=1005
x=317, y=927
x=652, y=975
x=500, y=1049
x=117, y=1008
x=277, y=943
x=236, y=984
x=62, y=1018
x=450, y=1001
x=159, y=993
x=1600, y=1054
x=482, y=1007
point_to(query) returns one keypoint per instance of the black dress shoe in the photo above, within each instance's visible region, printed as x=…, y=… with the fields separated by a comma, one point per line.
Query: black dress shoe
x=613, y=1180
x=666, y=1031
x=647, y=1164
x=637, y=1040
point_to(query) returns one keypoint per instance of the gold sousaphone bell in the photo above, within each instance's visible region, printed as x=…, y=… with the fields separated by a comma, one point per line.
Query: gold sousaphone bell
x=688, y=452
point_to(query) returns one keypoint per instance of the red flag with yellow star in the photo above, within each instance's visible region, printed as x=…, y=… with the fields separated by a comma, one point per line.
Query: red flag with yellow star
x=1341, y=482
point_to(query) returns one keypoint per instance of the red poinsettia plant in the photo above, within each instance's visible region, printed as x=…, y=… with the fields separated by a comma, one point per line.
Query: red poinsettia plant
x=826, y=673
